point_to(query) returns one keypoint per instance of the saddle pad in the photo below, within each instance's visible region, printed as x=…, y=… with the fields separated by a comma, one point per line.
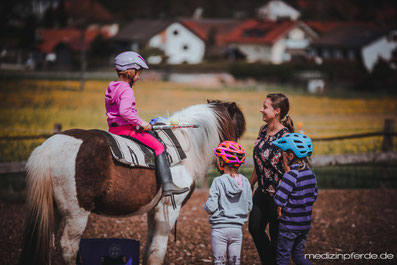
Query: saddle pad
x=131, y=152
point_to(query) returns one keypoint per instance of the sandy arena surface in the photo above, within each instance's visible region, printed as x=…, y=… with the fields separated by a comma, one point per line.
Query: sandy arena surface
x=344, y=221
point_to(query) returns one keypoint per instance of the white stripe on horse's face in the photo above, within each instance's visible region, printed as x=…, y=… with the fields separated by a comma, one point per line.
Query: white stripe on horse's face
x=64, y=151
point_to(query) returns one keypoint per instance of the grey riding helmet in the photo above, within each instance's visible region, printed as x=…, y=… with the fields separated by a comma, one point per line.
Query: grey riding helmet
x=129, y=60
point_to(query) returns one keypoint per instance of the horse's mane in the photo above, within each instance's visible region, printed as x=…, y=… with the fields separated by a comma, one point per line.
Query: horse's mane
x=216, y=125
x=202, y=140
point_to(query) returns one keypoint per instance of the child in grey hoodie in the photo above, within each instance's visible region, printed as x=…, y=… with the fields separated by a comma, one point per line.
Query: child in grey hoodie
x=229, y=202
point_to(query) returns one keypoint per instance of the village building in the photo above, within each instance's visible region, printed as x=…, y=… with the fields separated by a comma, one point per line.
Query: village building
x=271, y=41
x=182, y=40
x=59, y=46
x=65, y=47
x=277, y=10
x=138, y=34
x=363, y=43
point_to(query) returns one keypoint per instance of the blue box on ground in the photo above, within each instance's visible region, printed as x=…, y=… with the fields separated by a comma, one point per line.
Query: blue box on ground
x=98, y=251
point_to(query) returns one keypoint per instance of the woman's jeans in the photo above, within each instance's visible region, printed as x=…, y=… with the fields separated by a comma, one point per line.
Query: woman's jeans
x=264, y=212
x=292, y=243
x=228, y=241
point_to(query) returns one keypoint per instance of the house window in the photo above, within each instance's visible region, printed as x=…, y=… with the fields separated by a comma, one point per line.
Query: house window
x=350, y=55
x=175, y=32
x=312, y=52
x=185, y=47
x=338, y=54
x=255, y=33
x=326, y=54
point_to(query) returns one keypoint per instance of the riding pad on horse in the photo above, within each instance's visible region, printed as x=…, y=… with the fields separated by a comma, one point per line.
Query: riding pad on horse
x=131, y=152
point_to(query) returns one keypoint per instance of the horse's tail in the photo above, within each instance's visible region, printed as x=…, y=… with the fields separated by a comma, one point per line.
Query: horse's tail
x=39, y=226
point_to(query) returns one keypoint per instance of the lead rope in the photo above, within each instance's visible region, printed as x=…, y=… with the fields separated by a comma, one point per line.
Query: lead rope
x=175, y=230
x=173, y=201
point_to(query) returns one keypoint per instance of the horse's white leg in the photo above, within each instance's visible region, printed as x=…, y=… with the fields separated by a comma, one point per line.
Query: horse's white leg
x=162, y=218
x=72, y=232
x=160, y=221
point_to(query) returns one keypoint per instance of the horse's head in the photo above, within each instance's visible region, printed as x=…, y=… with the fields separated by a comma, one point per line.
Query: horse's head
x=231, y=119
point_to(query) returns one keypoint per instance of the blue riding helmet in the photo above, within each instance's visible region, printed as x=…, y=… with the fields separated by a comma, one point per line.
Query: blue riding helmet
x=299, y=143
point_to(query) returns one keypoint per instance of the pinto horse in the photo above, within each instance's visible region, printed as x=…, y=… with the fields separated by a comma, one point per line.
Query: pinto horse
x=73, y=174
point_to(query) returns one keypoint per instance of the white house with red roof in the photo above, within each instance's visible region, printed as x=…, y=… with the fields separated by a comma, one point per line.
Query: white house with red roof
x=183, y=41
x=271, y=41
x=186, y=40
x=277, y=9
x=179, y=44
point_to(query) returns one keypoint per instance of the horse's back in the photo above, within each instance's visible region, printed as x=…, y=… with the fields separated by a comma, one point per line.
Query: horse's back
x=106, y=186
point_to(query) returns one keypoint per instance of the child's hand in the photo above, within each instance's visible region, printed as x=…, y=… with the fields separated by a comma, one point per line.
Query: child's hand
x=146, y=126
x=279, y=212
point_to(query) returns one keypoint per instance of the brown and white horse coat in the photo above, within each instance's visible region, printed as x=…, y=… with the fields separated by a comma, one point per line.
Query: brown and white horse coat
x=73, y=174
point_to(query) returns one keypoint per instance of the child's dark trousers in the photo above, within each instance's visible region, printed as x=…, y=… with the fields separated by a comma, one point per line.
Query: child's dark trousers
x=292, y=243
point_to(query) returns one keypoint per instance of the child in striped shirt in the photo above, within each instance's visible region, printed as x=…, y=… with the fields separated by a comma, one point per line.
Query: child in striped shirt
x=295, y=197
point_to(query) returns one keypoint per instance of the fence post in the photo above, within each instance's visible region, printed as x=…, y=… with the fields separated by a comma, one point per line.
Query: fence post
x=387, y=144
x=57, y=128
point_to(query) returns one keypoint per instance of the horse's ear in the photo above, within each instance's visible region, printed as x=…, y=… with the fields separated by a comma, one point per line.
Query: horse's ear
x=232, y=109
x=209, y=101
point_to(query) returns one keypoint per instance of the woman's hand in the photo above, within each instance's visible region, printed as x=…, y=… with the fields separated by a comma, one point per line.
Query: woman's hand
x=279, y=212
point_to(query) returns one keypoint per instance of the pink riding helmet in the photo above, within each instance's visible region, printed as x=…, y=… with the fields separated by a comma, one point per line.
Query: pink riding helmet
x=129, y=60
x=231, y=152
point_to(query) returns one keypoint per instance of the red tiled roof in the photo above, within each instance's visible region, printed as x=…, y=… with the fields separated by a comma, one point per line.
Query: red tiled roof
x=325, y=27
x=202, y=27
x=70, y=36
x=258, y=31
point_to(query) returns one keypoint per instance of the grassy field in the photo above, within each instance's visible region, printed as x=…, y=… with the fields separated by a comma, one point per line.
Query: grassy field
x=33, y=106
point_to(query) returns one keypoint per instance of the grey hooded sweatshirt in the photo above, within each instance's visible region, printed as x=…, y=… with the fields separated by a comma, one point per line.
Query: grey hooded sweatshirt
x=228, y=203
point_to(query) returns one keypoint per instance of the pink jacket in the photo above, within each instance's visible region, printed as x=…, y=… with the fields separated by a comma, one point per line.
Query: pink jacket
x=120, y=104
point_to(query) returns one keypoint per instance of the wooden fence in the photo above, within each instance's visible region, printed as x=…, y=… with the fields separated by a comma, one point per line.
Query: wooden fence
x=387, y=153
x=388, y=134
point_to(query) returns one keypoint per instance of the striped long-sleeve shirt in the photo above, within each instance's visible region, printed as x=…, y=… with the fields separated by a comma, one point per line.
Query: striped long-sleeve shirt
x=296, y=194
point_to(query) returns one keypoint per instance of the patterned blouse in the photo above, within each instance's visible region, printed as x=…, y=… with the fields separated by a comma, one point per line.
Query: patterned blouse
x=268, y=161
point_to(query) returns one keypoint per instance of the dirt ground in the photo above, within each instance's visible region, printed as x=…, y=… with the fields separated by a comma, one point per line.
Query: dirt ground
x=344, y=221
